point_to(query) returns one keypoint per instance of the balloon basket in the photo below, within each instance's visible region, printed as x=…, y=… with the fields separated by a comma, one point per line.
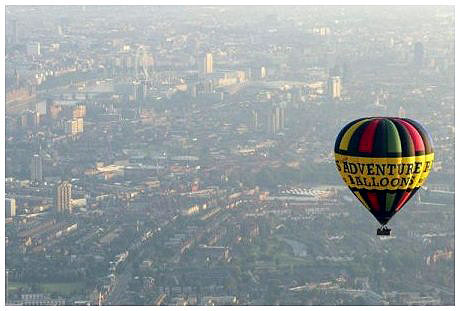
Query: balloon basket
x=383, y=231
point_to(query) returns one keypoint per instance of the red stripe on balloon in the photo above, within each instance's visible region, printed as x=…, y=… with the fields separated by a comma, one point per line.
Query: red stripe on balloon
x=374, y=201
x=403, y=200
x=367, y=139
x=419, y=145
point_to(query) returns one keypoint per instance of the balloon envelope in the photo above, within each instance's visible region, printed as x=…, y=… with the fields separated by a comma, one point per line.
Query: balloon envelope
x=384, y=161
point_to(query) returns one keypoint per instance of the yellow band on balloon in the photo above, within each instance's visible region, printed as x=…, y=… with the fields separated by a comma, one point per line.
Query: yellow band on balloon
x=384, y=173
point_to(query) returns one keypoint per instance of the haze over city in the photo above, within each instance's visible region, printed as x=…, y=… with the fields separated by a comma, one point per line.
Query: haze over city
x=184, y=155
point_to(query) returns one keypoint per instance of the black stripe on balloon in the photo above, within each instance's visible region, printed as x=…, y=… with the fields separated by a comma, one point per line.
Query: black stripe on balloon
x=407, y=145
x=424, y=134
x=378, y=213
x=384, y=215
x=363, y=193
x=398, y=193
x=379, y=146
x=373, y=208
x=342, y=132
x=353, y=145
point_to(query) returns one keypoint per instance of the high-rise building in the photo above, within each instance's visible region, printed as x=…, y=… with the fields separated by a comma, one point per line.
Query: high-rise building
x=79, y=125
x=323, y=31
x=254, y=124
x=74, y=126
x=10, y=207
x=271, y=123
x=36, y=168
x=70, y=127
x=140, y=91
x=282, y=121
x=263, y=72
x=30, y=120
x=63, y=197
x=33, y=49
x=204, y=87
x=334, y=87
x=40, y=107
x=277, y=112
x=276, y=119
x=207, y=64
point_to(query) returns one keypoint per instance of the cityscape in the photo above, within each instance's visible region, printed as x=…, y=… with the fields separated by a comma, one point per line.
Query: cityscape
x=184, y=155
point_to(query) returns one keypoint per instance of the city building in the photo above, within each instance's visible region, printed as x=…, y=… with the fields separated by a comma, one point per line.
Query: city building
x=207, y=65
x=79, y=125
x=271, y=123
x=322, y=31
x=10, y=207
x=30, y=120
x=74, y=126
x=282, y=116
x=36, y=168
x=71, y=127
x=40, y=107
x=140, y=91
x=334, y=87
x=40, y=300
x=254, y=124
x=276, y=119
x=64, y=197
x=33, y=49
x=229, y=77
x=263, y=72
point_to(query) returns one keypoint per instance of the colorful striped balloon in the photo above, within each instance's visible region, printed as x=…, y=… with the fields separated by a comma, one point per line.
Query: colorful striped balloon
x=384, y=161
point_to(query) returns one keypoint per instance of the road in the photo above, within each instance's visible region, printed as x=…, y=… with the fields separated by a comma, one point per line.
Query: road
x=119, y=294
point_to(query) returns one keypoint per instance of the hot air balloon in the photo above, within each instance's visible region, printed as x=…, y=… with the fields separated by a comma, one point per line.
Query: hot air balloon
x=384, y=161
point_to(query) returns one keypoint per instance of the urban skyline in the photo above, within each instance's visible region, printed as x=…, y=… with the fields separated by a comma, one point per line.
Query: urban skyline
x=184, y=155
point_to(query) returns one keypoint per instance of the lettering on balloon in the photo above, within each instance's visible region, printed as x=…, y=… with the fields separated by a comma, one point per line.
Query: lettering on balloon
x=384, y=173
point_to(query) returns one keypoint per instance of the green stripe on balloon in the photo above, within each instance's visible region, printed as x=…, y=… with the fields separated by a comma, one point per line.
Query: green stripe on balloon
x=390, y=198
x=392, y=135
